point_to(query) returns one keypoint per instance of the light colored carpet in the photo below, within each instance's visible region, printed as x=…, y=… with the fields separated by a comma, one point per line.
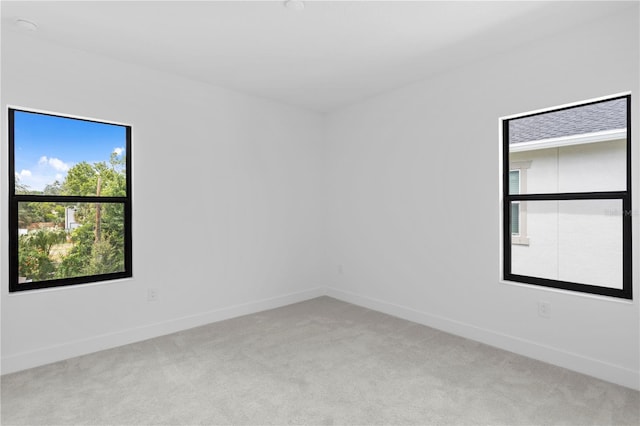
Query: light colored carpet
x=317, y=362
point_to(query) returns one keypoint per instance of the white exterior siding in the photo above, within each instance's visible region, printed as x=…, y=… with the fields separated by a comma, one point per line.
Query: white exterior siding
x=576, y=241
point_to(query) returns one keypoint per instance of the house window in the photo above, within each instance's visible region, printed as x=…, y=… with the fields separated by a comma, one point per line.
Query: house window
x=69, y=200
x=567, y=197
x=518, y=185
x=514, y=188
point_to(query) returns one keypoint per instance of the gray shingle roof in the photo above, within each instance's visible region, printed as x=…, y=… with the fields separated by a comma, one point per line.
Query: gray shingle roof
x=591, y=118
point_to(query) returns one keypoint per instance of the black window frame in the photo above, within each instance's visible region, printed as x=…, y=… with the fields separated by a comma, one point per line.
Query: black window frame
x=624, y=196
x=15, y=199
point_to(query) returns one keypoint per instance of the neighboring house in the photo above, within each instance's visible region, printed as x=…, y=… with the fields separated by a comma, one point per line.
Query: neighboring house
x=70, y=219
x=571, y=150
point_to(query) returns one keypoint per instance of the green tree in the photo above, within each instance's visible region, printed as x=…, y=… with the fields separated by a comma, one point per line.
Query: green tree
x=104, y=259
x=34, y=265
x=82, y=179
x=36, y=212
x=34, y=253
x=53, y=188
x=76, y=261
x=98, y=243
x=44, y=239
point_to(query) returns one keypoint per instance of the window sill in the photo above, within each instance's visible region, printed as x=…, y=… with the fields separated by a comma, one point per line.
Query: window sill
x=70, y=287
x=520, y=241
x=580, y=294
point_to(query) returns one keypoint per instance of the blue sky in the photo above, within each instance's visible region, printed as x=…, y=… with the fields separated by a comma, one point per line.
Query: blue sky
x=46, y=146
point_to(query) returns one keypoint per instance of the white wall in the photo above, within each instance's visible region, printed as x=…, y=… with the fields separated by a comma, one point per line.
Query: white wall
x=225, y=215
x=392, y=203
x=415, y=210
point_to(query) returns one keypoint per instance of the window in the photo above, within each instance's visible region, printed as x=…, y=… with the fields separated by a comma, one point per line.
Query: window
x=518, y=185
x=69, y=200
x=514, y=188
x=567, y=197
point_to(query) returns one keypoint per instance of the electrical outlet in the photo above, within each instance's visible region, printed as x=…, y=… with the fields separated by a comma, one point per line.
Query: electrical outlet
x=340, y=270
x=544, y=309
x=152, y=295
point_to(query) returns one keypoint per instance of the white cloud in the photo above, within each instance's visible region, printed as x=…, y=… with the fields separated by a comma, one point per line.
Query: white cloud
x=58, y=164
x=118, y=151
x=47, y=171
x=23, y=174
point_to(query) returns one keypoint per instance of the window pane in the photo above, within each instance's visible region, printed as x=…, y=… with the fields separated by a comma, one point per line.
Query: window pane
x=577, y=241
x=66, y=156
x=515, y=218
x=514, y=182
x=573, y=150
x=62, y=240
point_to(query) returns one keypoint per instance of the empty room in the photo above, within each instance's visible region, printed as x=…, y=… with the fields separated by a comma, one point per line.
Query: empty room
x=320, y=212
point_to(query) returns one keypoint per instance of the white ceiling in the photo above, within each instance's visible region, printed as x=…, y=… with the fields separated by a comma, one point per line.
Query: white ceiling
x=328, y=55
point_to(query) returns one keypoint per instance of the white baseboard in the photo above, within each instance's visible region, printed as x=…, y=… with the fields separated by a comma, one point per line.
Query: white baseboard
x=592, y=367
x=571, y=361
x=50, y=354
